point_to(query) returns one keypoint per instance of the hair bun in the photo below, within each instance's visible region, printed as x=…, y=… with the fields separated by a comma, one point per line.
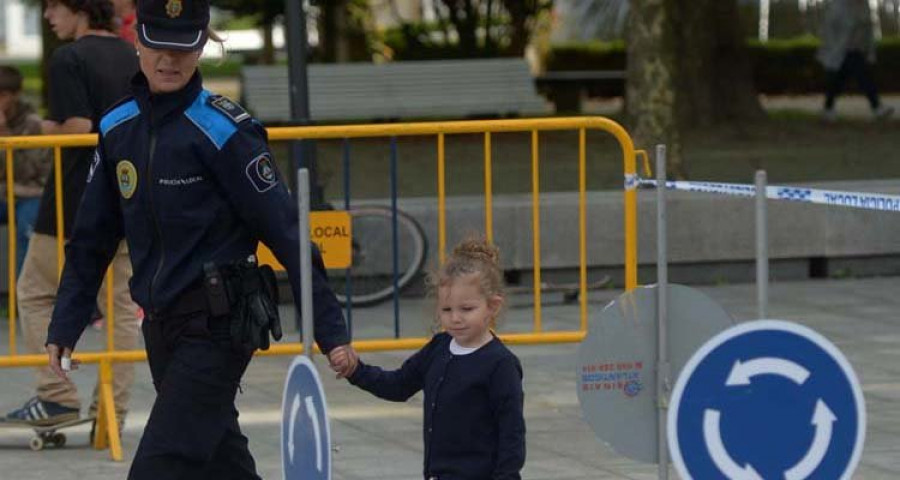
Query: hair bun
x=478, y=249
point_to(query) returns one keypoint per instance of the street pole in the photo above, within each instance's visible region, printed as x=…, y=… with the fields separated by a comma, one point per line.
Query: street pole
x=764, y=20
x=762, y=247
x=303, y=152
x=662, y=317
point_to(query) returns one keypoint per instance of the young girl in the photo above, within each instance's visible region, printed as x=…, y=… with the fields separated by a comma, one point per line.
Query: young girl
x=473, y=426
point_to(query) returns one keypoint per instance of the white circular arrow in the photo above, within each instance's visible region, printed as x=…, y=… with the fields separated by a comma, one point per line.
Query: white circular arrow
x=713, y=437
x=742, y=372
x=313, y=419
x=295, y=408
x=317, y=431
x=823, y=419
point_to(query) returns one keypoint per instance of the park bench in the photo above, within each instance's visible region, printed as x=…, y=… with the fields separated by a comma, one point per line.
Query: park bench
x=566, y=88
x=475, y=88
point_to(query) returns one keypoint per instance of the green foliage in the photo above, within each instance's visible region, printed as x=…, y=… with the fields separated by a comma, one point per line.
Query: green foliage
x=229, y=68
x=781, y=66
x=467, y=29
x=587, y=56
x=424, y=41
x=241, y=22
x=263, y=10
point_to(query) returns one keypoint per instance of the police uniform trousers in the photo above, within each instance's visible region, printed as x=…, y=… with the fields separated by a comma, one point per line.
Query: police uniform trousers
x=36, y=291
x=193, y=430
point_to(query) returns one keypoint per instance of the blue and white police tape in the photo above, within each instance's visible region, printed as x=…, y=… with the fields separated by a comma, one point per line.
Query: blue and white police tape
x=867, y=201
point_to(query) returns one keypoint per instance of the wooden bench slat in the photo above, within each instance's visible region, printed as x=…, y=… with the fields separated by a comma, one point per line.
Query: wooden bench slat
x=446, y=88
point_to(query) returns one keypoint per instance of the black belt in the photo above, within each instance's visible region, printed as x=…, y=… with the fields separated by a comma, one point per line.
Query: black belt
x=192, y=301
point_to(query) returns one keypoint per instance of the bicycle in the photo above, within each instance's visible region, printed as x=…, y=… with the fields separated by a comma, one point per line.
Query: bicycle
x=372, y=271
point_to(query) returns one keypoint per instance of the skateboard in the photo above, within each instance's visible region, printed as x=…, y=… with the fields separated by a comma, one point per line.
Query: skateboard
x=570, y=291
x=46, y=435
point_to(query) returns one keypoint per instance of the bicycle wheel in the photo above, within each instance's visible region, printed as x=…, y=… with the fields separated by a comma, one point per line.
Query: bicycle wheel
x=372, y=272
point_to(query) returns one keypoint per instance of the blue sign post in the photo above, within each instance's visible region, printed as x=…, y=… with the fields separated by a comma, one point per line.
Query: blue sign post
x=767, y=399
x=305, y=434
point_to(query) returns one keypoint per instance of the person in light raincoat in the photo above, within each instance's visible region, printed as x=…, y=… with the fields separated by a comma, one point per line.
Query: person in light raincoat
x=848, y=50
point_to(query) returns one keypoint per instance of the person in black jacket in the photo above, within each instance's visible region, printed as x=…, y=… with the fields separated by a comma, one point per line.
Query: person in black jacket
x=186, y=177
x=86, y=77
x=474, y=428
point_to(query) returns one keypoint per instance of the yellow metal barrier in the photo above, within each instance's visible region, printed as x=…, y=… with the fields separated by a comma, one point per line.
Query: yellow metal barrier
x=108, y=430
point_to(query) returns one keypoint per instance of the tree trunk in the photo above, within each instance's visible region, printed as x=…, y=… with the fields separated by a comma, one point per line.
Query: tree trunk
x=465, y=18
x=520, y=13
x=687, y=66
x=650, y=90
x=713, y=74
x=268, y=52
x=328, y=31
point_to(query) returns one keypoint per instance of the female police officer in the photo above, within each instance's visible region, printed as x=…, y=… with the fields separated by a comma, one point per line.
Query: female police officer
x=186, y=177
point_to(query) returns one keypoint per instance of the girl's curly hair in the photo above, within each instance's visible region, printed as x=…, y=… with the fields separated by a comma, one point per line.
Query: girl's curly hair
x=472, y=256
x=100, y=13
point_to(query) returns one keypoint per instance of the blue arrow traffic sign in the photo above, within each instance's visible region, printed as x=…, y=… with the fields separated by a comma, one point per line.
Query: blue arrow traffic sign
x=305, y=434
x=767, y=399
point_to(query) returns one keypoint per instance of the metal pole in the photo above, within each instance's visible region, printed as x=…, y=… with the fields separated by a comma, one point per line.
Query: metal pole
x=348, y=285
x=662, y=289
x=762, y=247
x=763, y=20
x=395, y=239
x=303, y=152
x=306, y=307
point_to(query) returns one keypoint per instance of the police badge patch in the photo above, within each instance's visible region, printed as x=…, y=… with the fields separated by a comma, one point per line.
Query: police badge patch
x=261, y=173
x=174, y=8
x=126, y=176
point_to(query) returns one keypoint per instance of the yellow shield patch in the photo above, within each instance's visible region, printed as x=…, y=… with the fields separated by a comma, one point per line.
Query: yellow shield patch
x=173, y=8
x=127, y=178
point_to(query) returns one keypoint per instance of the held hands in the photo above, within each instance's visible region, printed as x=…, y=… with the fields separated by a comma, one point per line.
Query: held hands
x=61, y=360
x=343, y=360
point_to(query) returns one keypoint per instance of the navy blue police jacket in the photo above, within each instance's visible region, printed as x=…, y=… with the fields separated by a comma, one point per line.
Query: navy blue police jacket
x=474, y=427
x=186, y=178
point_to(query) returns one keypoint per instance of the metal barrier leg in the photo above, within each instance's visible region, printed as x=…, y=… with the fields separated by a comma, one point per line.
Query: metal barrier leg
x=107, y=430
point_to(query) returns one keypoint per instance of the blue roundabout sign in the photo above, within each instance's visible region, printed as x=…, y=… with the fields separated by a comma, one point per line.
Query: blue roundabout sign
x=767, y=399
x=305, y=434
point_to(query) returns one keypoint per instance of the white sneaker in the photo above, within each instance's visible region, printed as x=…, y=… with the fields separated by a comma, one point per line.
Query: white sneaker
x=883, y=112
x=829, y=115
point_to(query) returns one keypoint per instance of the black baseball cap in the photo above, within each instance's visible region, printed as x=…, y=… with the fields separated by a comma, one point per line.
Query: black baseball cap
x=173, y=24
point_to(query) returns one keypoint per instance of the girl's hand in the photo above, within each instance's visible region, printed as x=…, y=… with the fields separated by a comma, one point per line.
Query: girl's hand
x=343, y=360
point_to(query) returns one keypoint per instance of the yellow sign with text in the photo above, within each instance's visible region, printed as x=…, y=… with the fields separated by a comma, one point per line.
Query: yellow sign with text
x=331, y=232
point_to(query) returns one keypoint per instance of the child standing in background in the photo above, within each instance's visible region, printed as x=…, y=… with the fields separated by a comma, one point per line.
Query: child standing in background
x=474, y=427
x=31, y=166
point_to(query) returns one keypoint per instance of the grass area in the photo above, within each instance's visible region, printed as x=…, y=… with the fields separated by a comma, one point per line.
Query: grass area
x=791, y=146
x=230, y=68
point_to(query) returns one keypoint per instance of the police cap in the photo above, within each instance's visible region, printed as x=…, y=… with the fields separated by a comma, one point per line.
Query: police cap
x=173, y=24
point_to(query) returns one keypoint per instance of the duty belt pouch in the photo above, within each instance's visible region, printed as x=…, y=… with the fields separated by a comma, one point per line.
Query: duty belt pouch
x=255, y=313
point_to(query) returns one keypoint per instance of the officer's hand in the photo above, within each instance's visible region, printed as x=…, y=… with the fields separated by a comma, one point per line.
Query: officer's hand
x=55, y=356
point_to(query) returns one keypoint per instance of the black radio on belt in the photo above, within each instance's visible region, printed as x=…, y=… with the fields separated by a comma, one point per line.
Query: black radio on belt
x=216, y=290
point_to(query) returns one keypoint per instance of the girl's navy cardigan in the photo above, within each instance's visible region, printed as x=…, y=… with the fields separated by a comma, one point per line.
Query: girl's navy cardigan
x=473, y=427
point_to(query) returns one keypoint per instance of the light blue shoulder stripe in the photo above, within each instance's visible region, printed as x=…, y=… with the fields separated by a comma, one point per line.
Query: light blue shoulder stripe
x=213, y=124
x=118, y=116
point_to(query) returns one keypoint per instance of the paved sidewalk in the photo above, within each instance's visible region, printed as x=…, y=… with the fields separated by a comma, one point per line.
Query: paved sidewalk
x=381, y=440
